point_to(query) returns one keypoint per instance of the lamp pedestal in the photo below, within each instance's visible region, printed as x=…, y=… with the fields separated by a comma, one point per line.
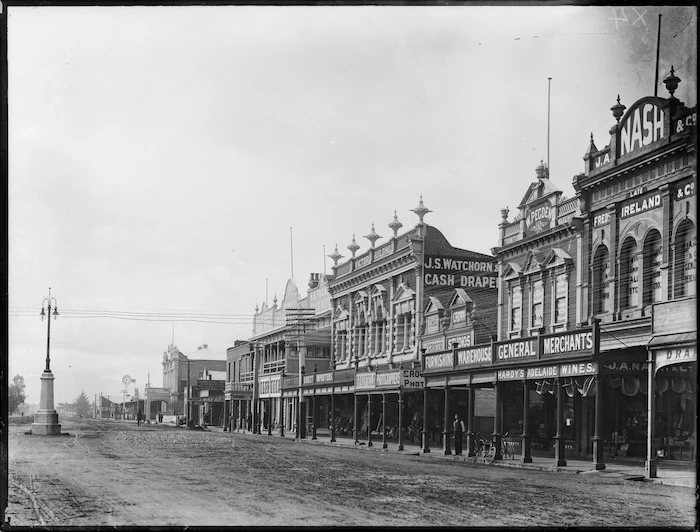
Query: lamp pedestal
x=46, y=418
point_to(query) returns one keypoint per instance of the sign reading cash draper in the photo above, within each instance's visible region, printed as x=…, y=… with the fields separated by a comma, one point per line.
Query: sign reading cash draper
x=522, y=350
x=568, y=343
x=441, y=270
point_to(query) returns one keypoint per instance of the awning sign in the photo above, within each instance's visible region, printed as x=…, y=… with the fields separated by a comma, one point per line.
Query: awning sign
x=675, y=355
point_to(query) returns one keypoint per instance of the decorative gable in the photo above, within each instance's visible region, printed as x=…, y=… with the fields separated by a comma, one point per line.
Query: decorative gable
x=511, y=270
x=459, y=298
x=434, y=306
x=557, y=257
x=533, y=263
x=403, y=293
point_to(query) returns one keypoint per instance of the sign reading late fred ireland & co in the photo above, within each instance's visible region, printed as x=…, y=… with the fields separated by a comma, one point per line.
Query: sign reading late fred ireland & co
x=640, y=204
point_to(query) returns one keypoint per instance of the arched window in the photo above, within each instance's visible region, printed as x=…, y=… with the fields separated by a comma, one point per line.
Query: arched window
x=653, y=259
x=602, y=298
x=629, y=274
x=685, y=260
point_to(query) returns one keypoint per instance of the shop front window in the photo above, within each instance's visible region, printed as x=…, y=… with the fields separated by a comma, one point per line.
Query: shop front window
x=685, y=261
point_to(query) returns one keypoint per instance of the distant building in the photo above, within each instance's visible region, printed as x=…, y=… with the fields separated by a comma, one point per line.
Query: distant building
x=180, y=374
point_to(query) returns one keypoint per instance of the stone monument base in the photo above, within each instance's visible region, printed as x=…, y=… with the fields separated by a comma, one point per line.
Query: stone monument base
x=46, y=423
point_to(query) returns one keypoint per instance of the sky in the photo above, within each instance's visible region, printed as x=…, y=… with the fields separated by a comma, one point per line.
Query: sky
x=171, y=167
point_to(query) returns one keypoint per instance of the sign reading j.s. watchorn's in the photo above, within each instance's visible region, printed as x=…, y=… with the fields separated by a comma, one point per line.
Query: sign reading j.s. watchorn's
x=459, y=272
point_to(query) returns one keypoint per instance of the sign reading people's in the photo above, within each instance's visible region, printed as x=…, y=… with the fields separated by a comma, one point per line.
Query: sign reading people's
x=538, y=218
x=459, y=272
x=643, y=126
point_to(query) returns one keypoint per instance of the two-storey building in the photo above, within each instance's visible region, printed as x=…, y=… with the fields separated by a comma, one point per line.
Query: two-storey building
x=379, y=301
x=639, y=218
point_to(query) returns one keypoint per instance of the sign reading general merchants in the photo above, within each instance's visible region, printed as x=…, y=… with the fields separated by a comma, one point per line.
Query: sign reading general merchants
x=643, y=126
x=459, y=272
x=578, y=342
x=521, y=350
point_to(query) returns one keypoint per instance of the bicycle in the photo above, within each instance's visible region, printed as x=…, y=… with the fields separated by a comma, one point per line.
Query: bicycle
x=507, y=451
x=484, y=450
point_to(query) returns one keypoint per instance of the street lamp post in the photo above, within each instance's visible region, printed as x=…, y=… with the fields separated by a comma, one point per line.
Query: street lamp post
x=46, y=417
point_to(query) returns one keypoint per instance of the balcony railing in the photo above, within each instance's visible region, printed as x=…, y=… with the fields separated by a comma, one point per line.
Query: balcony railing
x=273, y=366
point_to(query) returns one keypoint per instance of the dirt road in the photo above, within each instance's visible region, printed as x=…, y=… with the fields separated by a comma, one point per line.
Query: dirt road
x=109, y=473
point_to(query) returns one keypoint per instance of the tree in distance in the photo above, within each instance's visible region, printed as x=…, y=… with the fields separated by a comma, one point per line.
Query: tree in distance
x=16, y=393
x=82, y=406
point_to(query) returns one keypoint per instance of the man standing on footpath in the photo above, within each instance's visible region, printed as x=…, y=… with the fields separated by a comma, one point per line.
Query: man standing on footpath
x=457, y=430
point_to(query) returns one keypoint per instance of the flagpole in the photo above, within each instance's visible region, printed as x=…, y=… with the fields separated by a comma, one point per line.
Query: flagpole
x=549, y=91
x=658, y=48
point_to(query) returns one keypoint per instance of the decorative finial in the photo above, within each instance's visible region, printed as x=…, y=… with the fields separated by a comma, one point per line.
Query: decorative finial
x=372, y=236
x=618, y=109
x=540, y=170
x=274, y=301
x=421, y=210
x=671, y=81
x=395, y=225
x=257, y=309
x=504, y=214
x=353, y=247
x=335, y=256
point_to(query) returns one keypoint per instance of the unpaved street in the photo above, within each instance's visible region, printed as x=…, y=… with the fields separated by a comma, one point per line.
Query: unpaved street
x=108, y=473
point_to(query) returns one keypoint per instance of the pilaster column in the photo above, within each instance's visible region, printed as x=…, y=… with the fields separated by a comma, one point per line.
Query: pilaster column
x=446, y=423
x=369, y=420
x=526, y=455
x=470, y=421
x=354, y=423
x=425, y=434
x=497, y=421
x=384, y=445
x=332, y=416
x=400, y=448
x=598, y=460
x=651, y=460
x=560, y=443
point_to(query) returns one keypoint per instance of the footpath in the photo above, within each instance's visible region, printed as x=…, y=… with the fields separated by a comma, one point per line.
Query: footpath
x=669, y=472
